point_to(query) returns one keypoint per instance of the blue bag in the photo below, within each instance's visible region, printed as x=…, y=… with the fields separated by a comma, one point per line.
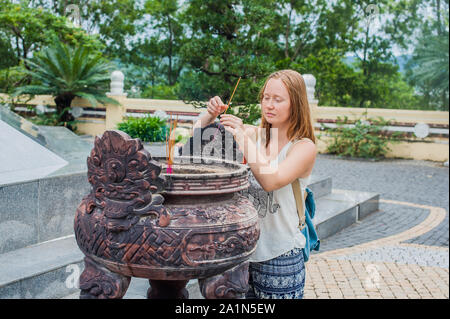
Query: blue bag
x=312, y=240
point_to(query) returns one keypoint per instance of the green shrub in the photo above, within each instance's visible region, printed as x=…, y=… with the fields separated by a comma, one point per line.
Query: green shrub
x=148, y=128
x=365, y=139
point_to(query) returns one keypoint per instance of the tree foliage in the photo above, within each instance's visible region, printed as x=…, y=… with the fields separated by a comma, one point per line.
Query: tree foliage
x=193, y=50
x=28, y=29
x=428, y=70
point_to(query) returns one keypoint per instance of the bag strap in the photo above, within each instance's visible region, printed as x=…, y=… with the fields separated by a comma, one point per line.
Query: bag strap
x=298, y=199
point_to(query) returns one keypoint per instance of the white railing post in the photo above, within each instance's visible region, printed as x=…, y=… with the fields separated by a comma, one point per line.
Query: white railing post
x=310, y=82
x=117, y=83
x=115, y=113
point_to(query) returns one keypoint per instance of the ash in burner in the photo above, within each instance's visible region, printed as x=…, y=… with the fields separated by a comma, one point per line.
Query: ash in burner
x=197, y=169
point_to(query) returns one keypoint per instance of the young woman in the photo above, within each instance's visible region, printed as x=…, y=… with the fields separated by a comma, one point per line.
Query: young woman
x=281, y=150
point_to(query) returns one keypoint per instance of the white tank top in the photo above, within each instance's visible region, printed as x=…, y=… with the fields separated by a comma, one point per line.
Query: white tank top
x=278, y=218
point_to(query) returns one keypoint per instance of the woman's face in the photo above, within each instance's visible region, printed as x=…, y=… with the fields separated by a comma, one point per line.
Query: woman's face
x=276, y=103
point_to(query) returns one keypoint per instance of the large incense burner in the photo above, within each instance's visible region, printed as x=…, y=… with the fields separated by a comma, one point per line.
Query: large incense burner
x=169, y=228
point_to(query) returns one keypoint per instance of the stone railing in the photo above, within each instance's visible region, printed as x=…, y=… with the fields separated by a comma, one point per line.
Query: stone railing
x=426, y=132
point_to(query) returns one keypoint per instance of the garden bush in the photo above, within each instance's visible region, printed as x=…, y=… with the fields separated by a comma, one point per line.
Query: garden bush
x=366, y=138
x=147, y=128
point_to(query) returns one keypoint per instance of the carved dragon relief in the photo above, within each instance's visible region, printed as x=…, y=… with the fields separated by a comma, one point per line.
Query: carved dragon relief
x=124, y=181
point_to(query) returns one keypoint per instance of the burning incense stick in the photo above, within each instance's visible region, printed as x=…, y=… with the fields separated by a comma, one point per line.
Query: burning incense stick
x=229, y=102
x=228, y=105
x=170, y=143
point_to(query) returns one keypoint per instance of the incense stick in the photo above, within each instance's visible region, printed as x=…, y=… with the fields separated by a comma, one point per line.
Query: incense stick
x=229, y=102
x=228, y=105
x=170, y=144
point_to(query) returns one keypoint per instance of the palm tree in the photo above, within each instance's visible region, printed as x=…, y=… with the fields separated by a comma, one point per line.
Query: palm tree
x=65, y=73
x=430, y=65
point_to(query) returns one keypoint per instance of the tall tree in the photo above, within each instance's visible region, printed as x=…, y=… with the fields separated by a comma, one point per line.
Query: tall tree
x=29, y=29
x=117, y=23
x=169, y=36
x=308, y=26
x=230, y=39
x=376, y=30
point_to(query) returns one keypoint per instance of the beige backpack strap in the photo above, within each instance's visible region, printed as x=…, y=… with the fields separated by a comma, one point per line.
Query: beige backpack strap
x=287, y=152
x=298, y=199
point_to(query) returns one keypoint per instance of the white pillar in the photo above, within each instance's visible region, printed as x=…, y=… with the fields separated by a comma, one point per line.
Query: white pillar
x=117, y=83
x=310, y=82
x=115, y=113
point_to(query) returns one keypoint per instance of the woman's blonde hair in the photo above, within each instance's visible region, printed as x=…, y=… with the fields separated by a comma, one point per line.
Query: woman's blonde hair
x=300, y=124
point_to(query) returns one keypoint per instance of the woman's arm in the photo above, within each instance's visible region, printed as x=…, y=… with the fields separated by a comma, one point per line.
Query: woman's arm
x=204, y=120
x=298, y=163
x=214, y=108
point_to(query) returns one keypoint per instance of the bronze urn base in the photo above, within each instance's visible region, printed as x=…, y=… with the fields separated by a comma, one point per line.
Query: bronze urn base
x=169, y=228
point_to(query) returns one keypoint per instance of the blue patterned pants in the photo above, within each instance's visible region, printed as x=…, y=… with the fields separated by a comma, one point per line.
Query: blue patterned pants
x=280, y=278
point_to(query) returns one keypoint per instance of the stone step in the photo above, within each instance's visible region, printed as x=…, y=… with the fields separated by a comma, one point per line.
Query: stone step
x=341, y=209
x=320, y=186
x=47, y=270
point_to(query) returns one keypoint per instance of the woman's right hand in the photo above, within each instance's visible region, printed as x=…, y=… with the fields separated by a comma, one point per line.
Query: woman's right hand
x=216, y=106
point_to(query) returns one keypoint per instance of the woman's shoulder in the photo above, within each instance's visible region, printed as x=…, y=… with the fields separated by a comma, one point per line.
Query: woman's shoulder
x=303, y=147
x=303, y=140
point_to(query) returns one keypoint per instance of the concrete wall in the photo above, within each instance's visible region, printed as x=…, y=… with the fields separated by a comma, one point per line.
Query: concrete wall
x=436, y=150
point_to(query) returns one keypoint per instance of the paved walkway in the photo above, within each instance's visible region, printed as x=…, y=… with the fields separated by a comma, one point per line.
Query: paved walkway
x=418, y=182
x=401, y=251
x=387, y=267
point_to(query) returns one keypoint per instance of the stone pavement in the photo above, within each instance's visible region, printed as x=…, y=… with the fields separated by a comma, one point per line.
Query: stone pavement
x=419, y=182
x=401, y=251
x=387, y=267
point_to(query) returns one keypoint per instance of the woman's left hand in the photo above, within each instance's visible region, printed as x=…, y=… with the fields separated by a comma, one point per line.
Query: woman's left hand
x=234, y=125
